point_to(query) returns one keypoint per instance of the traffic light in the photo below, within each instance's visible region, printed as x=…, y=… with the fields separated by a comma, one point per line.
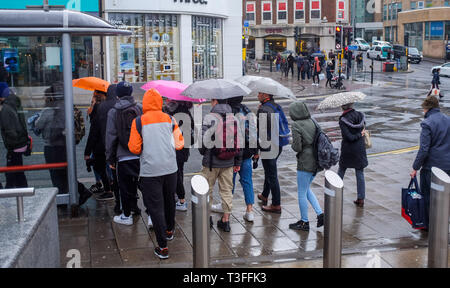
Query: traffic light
x=338, y=38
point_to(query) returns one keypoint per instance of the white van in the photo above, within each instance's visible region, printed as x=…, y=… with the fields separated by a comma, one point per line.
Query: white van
x=362, y=44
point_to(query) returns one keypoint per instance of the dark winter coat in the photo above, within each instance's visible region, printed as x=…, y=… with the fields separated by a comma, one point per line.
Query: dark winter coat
x=303, y=135
x=329, y=72
x=12, y=123
x=353, y=148
x=249, y=124
x=299, y=62
x=291, y=60
x=434, y=142
x=436, y=78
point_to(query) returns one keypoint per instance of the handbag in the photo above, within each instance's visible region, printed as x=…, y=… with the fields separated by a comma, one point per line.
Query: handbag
x=321, y=76
x=413, y=205
x=367, y=139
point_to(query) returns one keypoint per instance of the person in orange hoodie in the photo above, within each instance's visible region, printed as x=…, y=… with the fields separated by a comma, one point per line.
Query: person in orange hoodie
x=155, y=136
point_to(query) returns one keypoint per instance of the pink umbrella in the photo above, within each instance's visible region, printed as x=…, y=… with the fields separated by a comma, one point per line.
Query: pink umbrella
x=171, y=90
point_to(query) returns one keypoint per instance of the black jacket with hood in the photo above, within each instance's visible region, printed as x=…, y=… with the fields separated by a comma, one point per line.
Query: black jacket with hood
x=12, y=123
x=353, y=147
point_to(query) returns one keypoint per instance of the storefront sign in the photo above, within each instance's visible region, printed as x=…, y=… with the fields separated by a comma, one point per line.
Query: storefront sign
x=437, y=28
x=192, y=1
x=274, y=31
x=126, y=56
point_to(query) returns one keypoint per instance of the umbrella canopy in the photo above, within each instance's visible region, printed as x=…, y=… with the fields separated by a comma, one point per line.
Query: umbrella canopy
x=337, y=100
x=171, y=90
x=216, y=89
x=91, y=84
x=266, y=85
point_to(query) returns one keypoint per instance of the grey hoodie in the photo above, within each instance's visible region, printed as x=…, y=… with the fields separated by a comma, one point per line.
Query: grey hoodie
x=211, y=161
x=114, y=151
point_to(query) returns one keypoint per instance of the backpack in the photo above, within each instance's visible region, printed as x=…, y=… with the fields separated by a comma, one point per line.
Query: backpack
x=326, y=155
x=283, y=125
x=248, y=152
x=124, y=119
x=227, y=126
x=79, y=127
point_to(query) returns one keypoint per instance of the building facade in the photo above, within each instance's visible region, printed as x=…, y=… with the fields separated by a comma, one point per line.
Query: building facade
x=174, y=40
x=272, y=25
x=367, y=19
x=421, y=24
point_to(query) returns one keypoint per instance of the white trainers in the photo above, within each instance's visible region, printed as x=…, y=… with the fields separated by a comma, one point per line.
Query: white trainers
x=217, y=208
x=181, y=207
x=249, y=216
x=122, y=219
x=150, y=223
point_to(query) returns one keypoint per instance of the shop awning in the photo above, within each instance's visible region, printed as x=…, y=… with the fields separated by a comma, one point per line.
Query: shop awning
x=54, y=22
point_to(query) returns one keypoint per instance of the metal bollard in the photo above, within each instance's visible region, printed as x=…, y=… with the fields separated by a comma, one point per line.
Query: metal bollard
x=439, y=213
x=20, y=209
x=200, y=221
x=332, y=247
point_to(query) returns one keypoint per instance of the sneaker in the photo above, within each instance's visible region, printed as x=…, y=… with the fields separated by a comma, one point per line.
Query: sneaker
x=181, y=206
x=162, y=253
x=225, y=226
x=249, y=216
x=106, y=196
x=320, y=220
x=122, y=219
x=300, y=225
x=170, y=235
x=97, y=188
x=217, y=208
x=150, y=223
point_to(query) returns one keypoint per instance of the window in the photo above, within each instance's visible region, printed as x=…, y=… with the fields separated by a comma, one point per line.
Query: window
x=434, y=30
x=385, y=12
x=315, y=10
x=446, y=3
x=341, y=10
x=267, y=12
x=282, y=11
x=207, y=47
x=420, y=5
x=300, y=10
x=250, y=12
x=429, y=3
x=413, y=5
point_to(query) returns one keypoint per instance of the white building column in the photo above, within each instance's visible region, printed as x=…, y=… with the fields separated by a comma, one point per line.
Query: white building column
x=186, y=49
x=290, y=43
x=232, y=44
x=259, y=48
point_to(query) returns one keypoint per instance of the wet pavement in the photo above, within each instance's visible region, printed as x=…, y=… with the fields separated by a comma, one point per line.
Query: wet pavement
x=267, y=241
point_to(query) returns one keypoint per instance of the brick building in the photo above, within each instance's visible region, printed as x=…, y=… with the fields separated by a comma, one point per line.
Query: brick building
x=426, y=24
x=272, y=24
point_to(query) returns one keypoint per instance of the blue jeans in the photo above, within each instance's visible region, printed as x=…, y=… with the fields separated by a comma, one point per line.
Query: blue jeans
x=278, y=67
x=271, y=184
x=304, y=180
x=360, y=181
x=246, y=179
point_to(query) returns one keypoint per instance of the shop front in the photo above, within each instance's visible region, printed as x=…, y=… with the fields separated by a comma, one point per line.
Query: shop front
x=186, y=44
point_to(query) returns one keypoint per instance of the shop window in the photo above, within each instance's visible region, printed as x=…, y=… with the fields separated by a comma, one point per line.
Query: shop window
x=282, y=11
x=340, y=10
x=151, y=53
x=267, y=11
x=207, y=48
x=250, y=12
x=413, y=5
x=434, y=30
x=300, y=10
x=385, y=12
x=315, y=10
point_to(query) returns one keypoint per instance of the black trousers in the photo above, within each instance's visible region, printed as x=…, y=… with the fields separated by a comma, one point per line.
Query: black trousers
x=57, y=154
x=127, y=178
x=15, y=179
x=291, y=68
x=328, y=82
x=181, y=193
x=271, y=184
x=316, y=74
x=425, y=189
x=159, y=198
x=100, y=168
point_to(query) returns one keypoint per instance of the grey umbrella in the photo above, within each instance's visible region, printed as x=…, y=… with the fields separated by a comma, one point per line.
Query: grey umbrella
x=215, y=89
x=266, y=85
x=337, y=100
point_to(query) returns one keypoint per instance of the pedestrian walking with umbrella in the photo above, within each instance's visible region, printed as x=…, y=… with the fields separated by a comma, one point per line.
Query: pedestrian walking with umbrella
x=353, y=147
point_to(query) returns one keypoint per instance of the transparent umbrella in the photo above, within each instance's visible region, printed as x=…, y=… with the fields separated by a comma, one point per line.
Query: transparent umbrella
x=215, y=89
x=337, y=100
x=266, y=85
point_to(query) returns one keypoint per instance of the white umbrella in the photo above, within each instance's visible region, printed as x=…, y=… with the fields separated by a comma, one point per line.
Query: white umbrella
x=266, y=85
x=337, y=100
x=215, y=89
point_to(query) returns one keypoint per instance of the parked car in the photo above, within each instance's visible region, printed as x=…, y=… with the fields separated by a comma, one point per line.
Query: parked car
x=399, y=51
x=379, y=52
x=380, y=43
x=445, y=69
x=362, y=44
x=414, y=56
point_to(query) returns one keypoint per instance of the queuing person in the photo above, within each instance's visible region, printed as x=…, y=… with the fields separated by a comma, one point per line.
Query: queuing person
x=434, y=148
x=243, y=115
x=316, y=71
x=271, y=184
x=353, y=148
x=329, y=74
x=118, y=156
x=303, y=135
x=300, y=67
x=155, y=136
x=94, y=151
x=14, y=134
x=182, y=108
x=290, y=61
x=218, y=162
x=306, y=69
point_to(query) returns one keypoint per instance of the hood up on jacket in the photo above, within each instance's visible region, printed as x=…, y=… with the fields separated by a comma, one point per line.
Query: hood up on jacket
x=354, y=119
x=13, y=101
x=124, y=102
x=152, y=101
x=299, y=111
x=111, y=93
